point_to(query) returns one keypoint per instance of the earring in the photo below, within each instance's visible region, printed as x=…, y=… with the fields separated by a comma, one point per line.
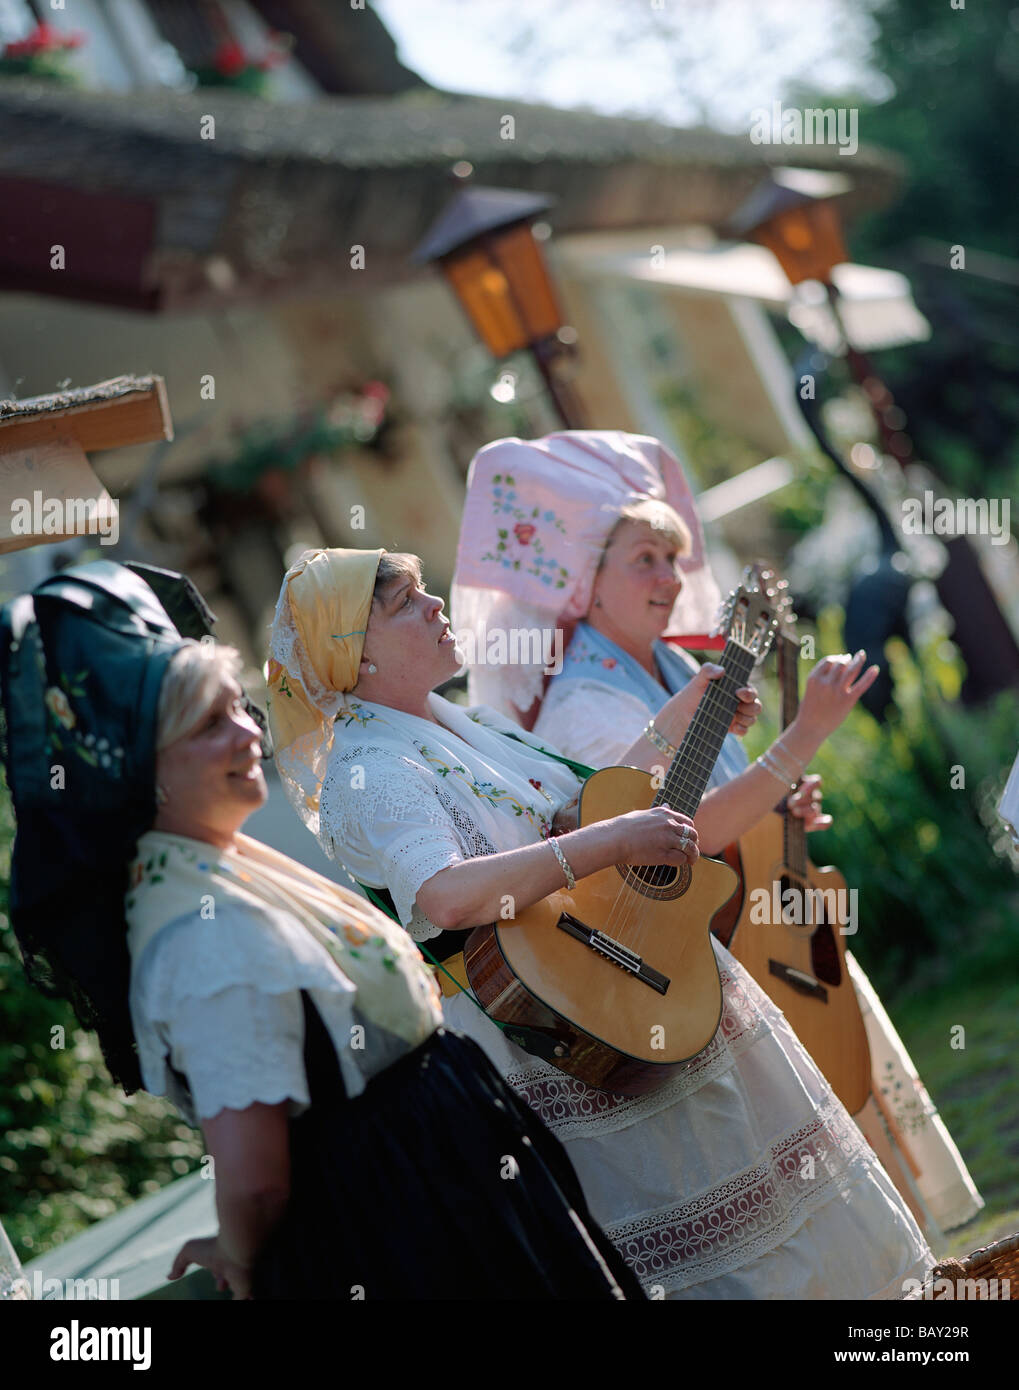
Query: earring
x=161, y=796
x=597, y=603
x=372, y=668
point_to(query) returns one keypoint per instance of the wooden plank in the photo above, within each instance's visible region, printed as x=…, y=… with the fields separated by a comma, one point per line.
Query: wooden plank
x=49, y=493
x=136, y=417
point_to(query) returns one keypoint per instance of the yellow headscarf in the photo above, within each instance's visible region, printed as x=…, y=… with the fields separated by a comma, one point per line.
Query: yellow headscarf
x=315, y=652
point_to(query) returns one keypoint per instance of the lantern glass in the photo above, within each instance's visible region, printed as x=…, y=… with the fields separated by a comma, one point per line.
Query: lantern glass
x=806, y=240
x=504, y=287
x=484, y=292
x=519, y=257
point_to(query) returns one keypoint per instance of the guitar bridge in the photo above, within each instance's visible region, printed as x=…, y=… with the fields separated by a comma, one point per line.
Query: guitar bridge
x=615, y=952
x=799, y=980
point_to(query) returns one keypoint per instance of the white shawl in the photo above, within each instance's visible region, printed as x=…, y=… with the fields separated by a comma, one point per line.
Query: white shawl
x=404, y=798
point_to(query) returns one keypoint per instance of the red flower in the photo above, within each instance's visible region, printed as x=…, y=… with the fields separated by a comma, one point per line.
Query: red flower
x=230, y=59
x=523, y=532
x=44, y=38
x=609, y=662
x=536, y=785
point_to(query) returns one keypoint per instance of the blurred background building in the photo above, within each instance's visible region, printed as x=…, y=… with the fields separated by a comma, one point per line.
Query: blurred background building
x=228, y=195
x=249, y=239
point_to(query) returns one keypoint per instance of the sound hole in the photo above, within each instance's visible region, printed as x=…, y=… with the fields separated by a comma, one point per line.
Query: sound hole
x=661, y=881
x=824, y=956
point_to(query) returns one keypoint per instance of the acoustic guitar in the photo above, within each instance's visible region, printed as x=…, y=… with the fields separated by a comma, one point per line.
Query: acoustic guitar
x=619, y=976
x=787, y=931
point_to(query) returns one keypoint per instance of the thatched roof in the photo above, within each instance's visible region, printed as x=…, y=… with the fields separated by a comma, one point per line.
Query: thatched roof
x=76, y=397
x=112, y=414
x=284, y=190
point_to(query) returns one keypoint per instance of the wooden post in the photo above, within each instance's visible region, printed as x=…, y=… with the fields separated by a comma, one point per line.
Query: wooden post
x=48, y=491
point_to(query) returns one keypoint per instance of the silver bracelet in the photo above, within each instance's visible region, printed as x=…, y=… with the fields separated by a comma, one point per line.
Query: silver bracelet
x=659, y=740
x=765, y=760
x=571, y=882
x=786, y=761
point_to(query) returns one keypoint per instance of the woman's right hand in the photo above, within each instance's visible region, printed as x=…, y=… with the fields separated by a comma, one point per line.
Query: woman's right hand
x=832, y=689
x=206, y=1251
x=656, y=836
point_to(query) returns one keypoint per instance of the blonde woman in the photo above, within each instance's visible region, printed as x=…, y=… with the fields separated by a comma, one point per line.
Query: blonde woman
x=701, y=1184
x=619, y=514
x=360, y=1149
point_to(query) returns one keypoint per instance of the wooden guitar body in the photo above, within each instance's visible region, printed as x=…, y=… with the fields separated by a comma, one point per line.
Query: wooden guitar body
x=801, y=964
x=623, y=1027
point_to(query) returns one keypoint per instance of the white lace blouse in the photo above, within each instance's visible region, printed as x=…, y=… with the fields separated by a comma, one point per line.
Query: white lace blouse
x=590, y=721
x=401, y=821
x=217, y=1014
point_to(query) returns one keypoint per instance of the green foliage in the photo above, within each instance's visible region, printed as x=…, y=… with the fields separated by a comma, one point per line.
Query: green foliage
x=938, y=895
x=955, y=74
x=975, y=1087
x=74, y=1147
x=798, y=508
x=268, y=445
x=714, y=452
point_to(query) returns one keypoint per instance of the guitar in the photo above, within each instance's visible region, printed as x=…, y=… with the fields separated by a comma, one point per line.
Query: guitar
x=618, y=976
x=789, y=937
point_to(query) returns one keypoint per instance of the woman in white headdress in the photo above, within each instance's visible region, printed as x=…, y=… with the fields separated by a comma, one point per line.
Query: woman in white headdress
x=741, y=1177
x=617, y=515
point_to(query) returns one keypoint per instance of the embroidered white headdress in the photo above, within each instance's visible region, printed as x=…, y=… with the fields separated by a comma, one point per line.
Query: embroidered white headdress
x=537, y=515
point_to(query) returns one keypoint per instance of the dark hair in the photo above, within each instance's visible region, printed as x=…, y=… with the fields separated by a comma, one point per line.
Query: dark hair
x=395, y=565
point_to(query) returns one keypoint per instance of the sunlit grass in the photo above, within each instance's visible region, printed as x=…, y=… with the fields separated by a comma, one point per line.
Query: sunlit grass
x=976, y=1089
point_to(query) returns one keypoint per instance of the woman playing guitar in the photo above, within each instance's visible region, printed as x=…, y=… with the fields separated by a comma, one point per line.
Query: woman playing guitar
x=637, y=572
x=742, y=1176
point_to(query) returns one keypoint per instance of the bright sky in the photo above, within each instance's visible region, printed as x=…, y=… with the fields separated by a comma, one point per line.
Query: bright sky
x=681, y=61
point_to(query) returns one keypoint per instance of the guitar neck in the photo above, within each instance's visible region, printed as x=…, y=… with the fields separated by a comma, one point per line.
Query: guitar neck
x=794, y=835
x=696, y=756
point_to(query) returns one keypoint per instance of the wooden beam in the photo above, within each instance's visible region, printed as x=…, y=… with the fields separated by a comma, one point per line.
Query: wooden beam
x=49, y=493
x=137, y=415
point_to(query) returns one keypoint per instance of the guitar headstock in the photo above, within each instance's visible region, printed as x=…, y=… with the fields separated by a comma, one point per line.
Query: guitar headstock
x=755, y=612
x=771, y=582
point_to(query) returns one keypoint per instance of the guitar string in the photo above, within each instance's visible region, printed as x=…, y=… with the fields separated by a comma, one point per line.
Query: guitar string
x=794, y=836
x=685, y=785
x=628, y=897
x=712, y=717
x=710, y=723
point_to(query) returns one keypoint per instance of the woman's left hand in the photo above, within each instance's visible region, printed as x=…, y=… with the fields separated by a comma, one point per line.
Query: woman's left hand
x=747, y=712
x=805, y=803
x=673, y=719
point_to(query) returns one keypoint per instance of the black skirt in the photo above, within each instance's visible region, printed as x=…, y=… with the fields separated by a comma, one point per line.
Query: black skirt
x=437, y=1182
